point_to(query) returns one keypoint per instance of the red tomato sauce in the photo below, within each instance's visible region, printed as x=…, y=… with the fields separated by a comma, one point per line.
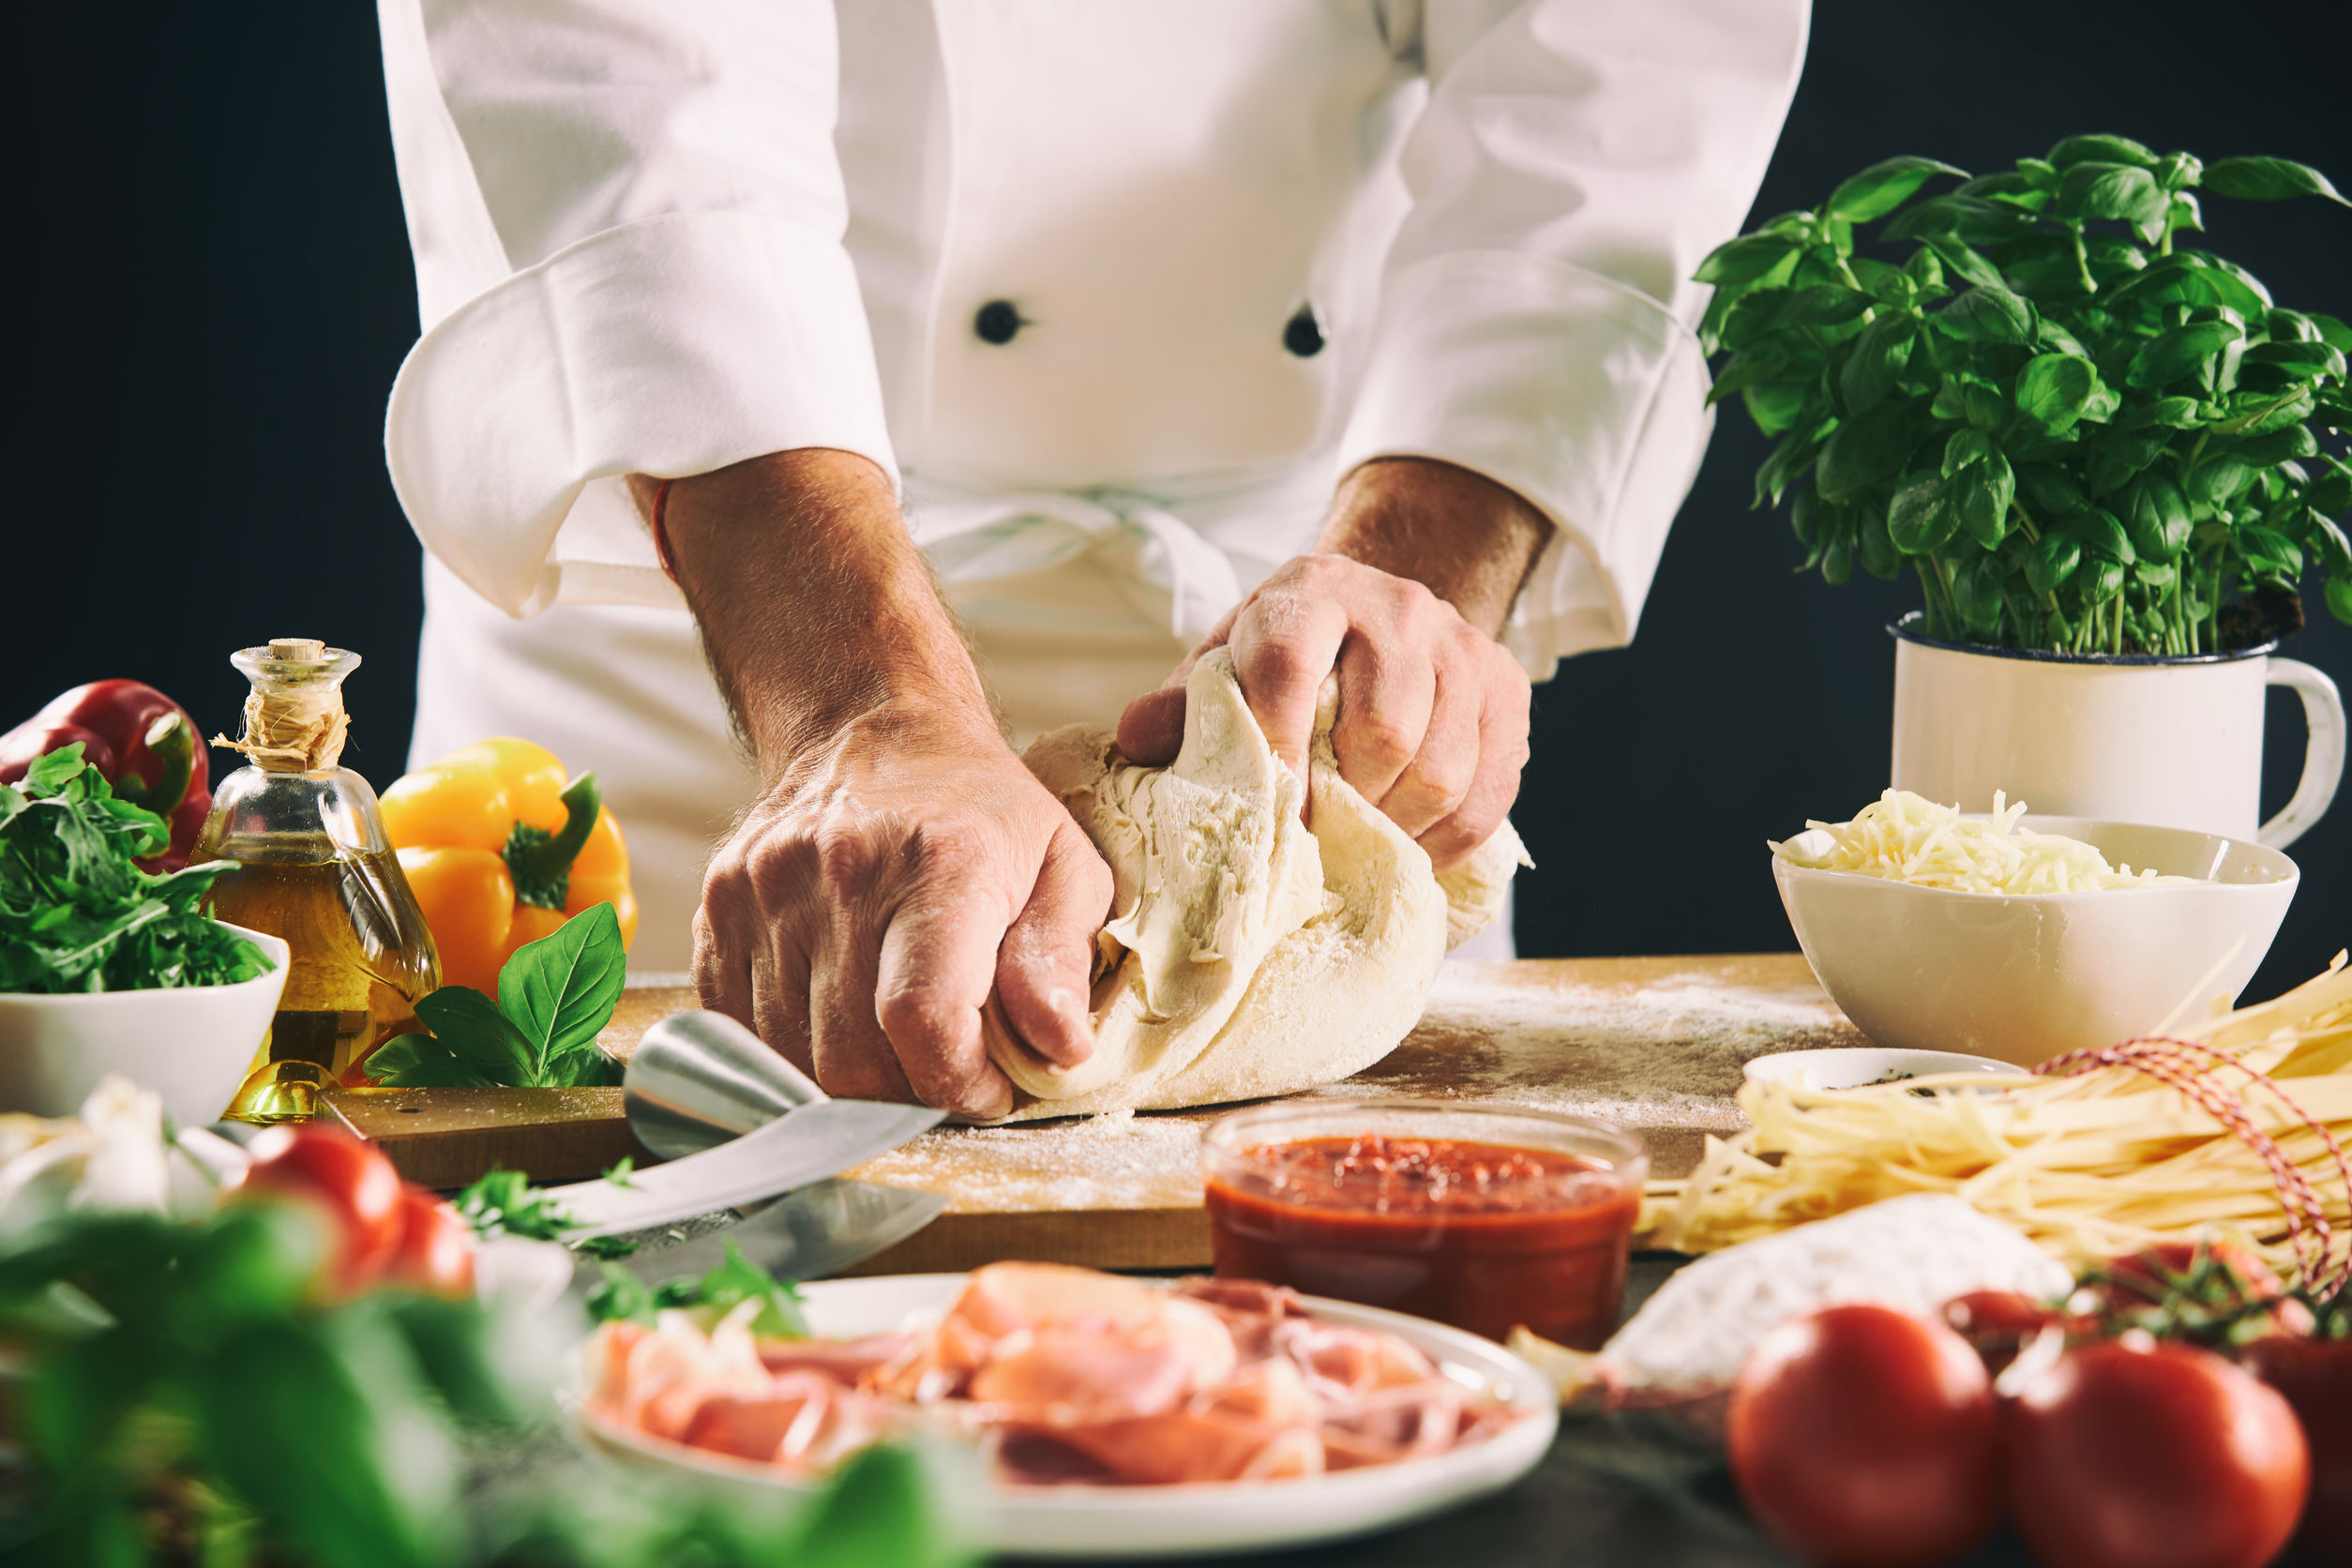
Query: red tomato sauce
x=1479, y=1235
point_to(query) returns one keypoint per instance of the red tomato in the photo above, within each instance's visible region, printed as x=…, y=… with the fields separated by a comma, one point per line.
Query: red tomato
x=434, y=1252
x=345, y=1182
x=2315, y=1378
x=1861, y=1437
x=2148, y=1454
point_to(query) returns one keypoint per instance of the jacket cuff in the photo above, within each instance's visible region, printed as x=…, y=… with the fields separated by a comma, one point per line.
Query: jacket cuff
x=670, y=346
x=1585, y=396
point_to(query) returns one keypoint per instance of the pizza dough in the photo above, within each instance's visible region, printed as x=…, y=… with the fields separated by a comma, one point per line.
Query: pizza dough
x=1248, y=953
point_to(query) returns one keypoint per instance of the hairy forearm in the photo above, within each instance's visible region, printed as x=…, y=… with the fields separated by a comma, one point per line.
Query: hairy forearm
x=815, y=609
x=1469, y=540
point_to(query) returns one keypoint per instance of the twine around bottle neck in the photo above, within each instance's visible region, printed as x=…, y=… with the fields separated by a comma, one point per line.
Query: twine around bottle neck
x=293, y=716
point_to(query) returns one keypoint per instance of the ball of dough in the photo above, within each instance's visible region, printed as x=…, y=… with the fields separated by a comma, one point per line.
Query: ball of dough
x=1247, y=953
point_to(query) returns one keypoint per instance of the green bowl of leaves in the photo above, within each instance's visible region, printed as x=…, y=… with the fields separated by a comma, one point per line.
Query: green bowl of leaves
x=105, y=967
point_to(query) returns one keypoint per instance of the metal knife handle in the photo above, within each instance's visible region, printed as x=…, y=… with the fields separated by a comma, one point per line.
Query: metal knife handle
x=697, y=1079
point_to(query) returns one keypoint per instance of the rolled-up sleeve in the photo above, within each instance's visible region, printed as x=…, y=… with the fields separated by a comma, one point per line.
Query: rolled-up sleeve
x=1576, y=160
x=628, y=221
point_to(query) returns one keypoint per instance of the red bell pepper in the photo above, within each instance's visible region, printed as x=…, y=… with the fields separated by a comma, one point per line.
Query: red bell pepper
x=141, y=741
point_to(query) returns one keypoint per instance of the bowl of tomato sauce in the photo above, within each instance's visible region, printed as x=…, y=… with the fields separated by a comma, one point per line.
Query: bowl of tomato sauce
x=1482, y=1215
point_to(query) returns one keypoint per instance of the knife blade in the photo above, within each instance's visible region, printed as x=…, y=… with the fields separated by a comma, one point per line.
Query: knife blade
x=818, y=1230
x=800, y=1147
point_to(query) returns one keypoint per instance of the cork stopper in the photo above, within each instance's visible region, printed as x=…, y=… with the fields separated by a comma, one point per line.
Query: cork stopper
x=293, y=716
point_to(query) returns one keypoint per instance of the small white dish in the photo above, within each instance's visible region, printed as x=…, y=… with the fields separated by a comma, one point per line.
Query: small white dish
x=1856, y=1066
x=2023, y=978
x=1148, y=1522
x=191, y=1044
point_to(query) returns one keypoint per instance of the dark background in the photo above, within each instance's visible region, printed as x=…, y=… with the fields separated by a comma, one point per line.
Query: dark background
x=213, y=293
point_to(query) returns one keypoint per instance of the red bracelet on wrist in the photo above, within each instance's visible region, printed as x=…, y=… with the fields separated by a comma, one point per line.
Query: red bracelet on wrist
x=661, y=534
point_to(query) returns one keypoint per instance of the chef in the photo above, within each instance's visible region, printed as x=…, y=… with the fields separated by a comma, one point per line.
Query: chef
x=797, y=379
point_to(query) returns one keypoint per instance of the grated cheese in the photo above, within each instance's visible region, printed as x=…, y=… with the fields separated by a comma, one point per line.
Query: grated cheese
x=1909, y=839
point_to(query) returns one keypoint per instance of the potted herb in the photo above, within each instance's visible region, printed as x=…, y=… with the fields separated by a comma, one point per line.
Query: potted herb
x=2095, y=446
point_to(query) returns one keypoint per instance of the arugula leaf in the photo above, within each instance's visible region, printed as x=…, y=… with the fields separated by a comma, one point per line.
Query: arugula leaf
x=76, y=913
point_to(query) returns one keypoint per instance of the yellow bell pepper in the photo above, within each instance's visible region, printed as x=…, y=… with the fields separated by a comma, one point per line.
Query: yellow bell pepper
x=500, y=851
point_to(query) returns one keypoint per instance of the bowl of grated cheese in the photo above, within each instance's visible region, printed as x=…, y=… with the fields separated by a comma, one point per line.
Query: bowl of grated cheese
x=2023, y=938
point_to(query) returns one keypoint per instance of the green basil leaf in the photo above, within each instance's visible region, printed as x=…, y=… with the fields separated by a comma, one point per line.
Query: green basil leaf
x=1981, y=495
x=1883, y=186
x=1989, y=313
x=1875, y=547
x=421, y=1062
x=1866, y=450
x=1924, y=269
x=1821, y=305
x=2330, y=545
x=1744, y=371
x=1968, y=262
x=1966, y=448
x=2339, y=597
x=2267, y=179
x=2182, y=350
x=1787, y=460
x=2052, y=560
x=1876, y=361
x=2218, y=477
x=1919, y=520
x=2303, y=359
x=2156, y=515
x=1837, y=561
x=2012, y=185
x=2331, y=492
x=2102, y=581
x=2173, y=414
x=1960, y=220
x=2112, y=191
x=2102, y=150
x=2281, y=445
x=2052, y=489
x=2274, y=546
x=559, y=991
x=2332, y=331
x=2053, y=389
x=1739, y=262
x=1976, y=593
x=2177, y=172
x=2102, y=532
x=475, y=1031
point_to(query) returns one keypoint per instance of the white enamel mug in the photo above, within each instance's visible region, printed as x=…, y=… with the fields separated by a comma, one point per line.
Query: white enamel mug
x=2168, y=742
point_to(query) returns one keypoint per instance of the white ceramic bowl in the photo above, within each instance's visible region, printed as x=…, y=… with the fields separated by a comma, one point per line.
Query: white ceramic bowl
x=190, y=1044
x=2023, y=978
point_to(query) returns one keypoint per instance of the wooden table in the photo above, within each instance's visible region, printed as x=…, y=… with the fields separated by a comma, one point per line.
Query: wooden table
x=1651, y=1044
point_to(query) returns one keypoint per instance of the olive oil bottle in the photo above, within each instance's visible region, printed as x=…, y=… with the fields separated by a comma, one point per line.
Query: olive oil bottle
x=312, y=865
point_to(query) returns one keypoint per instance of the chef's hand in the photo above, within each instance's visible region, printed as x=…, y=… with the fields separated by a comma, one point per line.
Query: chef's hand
x=901, y=863
x=1421, y=562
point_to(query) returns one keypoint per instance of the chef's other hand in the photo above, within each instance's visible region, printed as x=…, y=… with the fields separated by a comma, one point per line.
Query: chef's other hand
x=900, y=864
x=1423, y=562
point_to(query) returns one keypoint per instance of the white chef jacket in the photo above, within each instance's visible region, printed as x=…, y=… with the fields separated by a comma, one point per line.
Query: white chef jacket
x=1117, y=290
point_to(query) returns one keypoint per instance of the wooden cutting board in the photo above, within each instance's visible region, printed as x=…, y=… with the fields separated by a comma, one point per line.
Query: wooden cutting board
x=1651, y=1044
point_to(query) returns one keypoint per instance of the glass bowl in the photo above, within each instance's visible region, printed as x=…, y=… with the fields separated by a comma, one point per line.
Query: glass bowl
x=1480, y=1215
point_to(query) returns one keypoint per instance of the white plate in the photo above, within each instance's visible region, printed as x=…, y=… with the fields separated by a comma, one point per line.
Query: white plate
x=1170, y=1521
x=1854, y=1066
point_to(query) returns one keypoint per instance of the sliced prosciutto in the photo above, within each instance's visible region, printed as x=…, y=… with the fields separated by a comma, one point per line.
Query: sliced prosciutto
x=1064, y=1376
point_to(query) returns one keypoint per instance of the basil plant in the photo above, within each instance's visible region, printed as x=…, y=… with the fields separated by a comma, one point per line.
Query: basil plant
x=2081, y=433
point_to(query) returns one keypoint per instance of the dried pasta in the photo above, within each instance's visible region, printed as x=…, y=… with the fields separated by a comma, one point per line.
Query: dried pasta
x=2087, y=1166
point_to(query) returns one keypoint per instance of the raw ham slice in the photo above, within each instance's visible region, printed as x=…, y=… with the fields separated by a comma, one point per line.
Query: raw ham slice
x=1064, y=1377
